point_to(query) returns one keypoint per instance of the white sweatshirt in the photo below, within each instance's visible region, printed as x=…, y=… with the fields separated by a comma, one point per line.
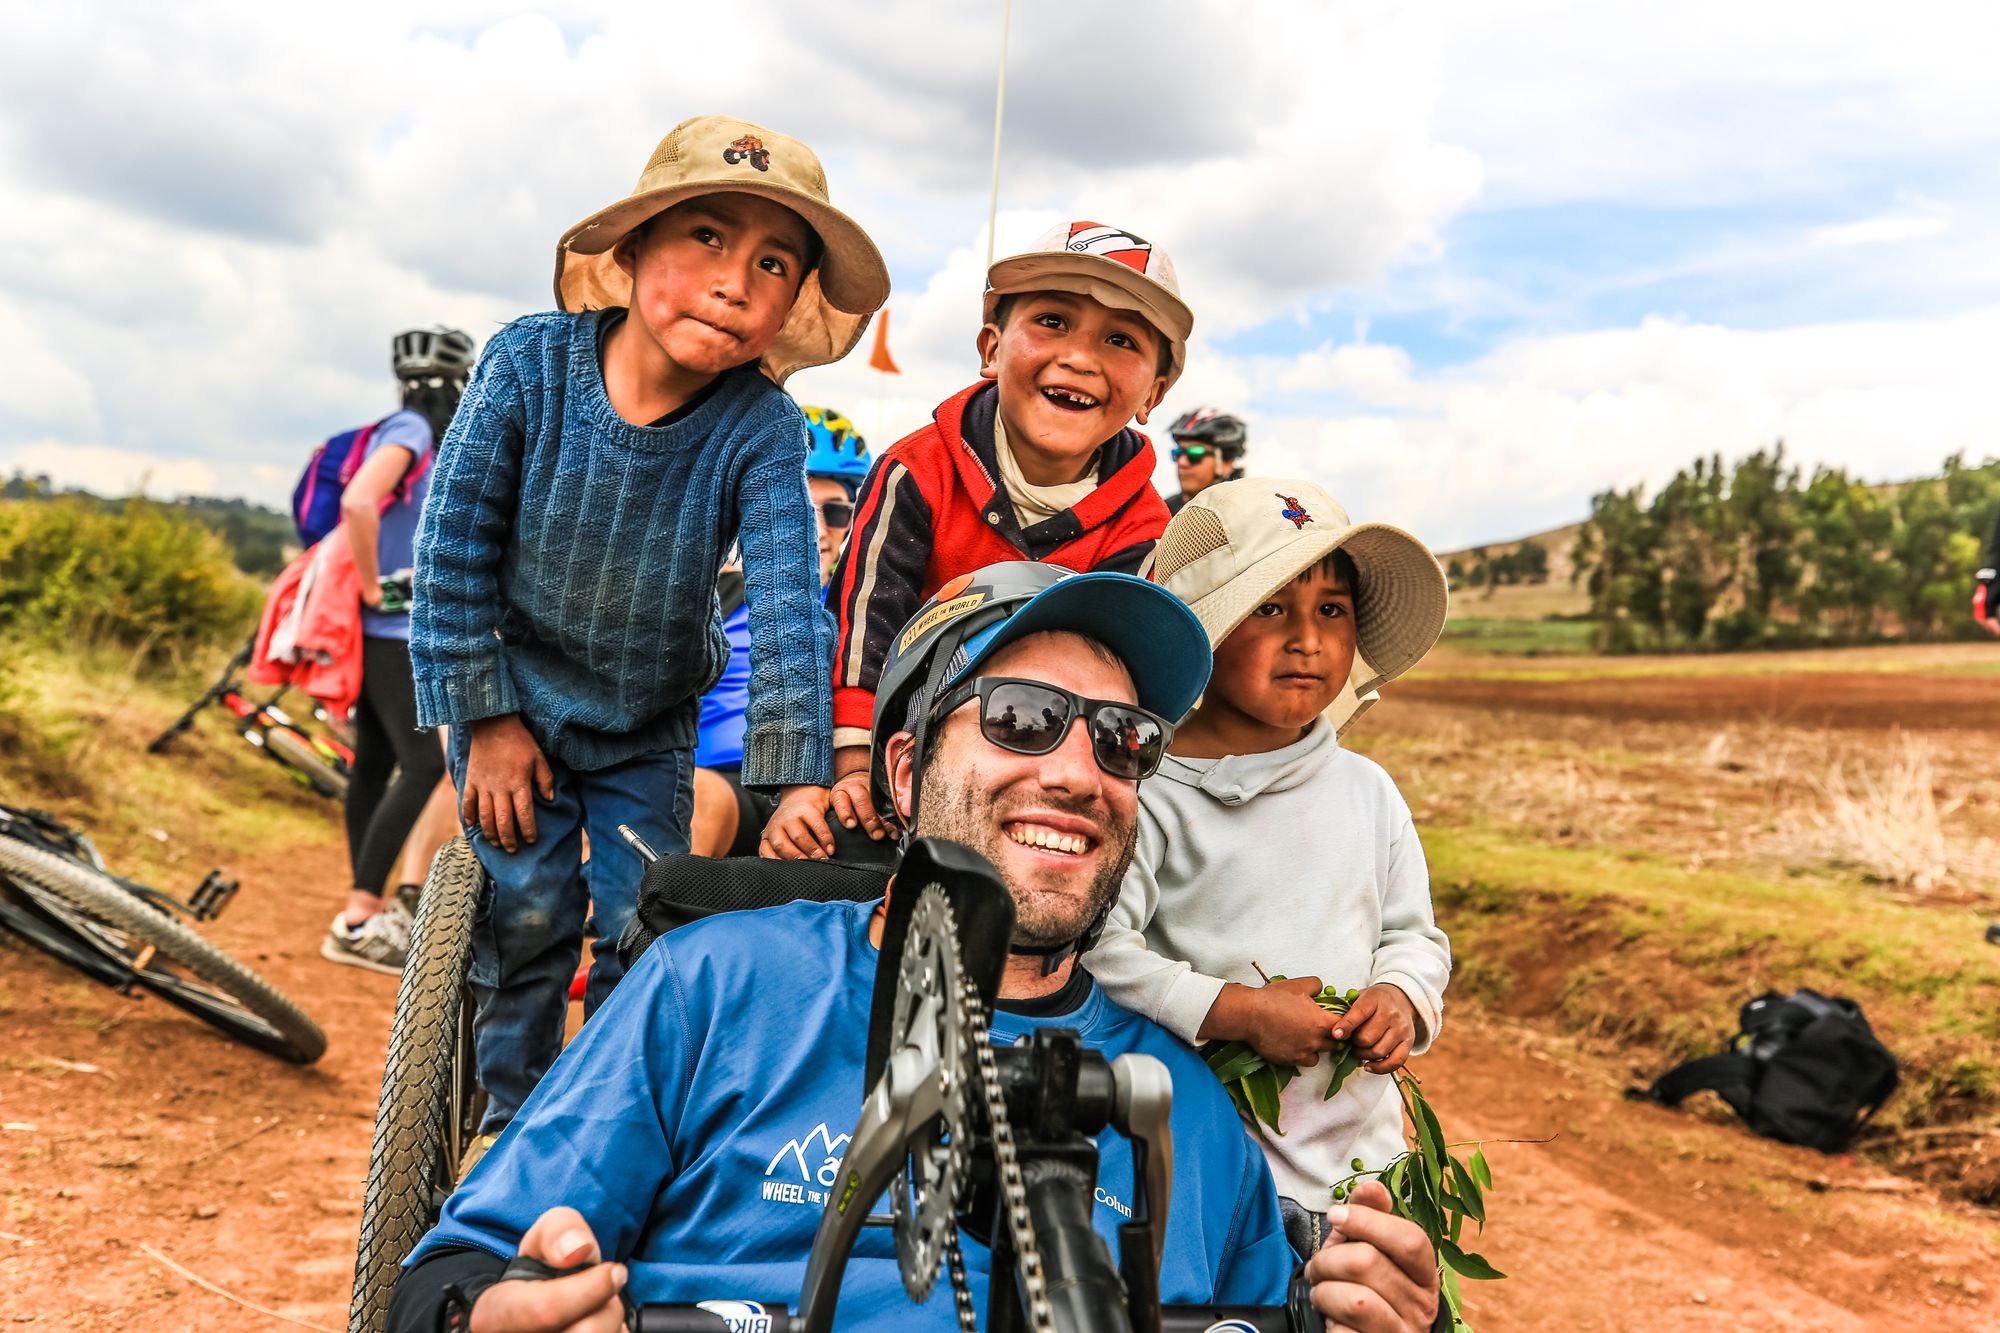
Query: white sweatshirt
x=1321, y=874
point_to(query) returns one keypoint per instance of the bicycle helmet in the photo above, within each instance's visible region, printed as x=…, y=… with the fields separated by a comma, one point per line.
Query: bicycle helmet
x=838, y=451
x=1213, y=426
x=440, y=353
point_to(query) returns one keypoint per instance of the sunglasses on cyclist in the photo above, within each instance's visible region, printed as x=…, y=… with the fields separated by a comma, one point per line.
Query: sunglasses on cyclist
x=836, y=513
x=1031, y=717
x=1193, y=453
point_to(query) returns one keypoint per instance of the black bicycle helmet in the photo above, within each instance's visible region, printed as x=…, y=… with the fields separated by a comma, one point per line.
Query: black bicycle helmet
x=1212, y=426
x=438, y=353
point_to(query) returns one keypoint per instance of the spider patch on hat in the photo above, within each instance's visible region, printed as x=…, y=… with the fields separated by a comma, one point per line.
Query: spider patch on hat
x=1094, y=238
x=1294, y=509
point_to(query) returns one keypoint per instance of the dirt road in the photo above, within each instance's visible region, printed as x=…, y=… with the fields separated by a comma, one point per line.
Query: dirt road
x=132, y=1136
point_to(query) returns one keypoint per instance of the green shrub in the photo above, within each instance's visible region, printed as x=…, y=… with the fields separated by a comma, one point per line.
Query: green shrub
x=144, y=580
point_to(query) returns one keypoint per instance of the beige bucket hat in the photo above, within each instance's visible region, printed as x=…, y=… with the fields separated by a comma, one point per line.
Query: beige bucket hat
x=723, y=155
x=1236, y=543
x=1107, y=264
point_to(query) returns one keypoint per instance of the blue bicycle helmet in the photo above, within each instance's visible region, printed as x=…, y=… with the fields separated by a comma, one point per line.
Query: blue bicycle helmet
x=838, y=451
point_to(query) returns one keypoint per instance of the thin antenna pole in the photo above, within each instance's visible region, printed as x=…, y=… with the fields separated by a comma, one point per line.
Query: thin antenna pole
x=999, y=115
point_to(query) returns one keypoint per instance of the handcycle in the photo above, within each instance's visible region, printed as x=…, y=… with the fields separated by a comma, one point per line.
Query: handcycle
x=57, y=893
x=963, y=1137
x=321, y=762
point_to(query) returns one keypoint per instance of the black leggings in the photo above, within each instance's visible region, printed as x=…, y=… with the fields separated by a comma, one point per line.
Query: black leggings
x=381, y=813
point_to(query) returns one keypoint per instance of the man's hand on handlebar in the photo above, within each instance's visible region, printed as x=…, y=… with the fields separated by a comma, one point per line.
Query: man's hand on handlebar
x=586, y=1302
x=1376, y=1272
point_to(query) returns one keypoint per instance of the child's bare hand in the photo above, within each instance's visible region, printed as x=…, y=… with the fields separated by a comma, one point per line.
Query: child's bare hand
x=853, y=808
x=1284, y=1025
x=1381, y=1026
x=504, y=770
x=798, y=830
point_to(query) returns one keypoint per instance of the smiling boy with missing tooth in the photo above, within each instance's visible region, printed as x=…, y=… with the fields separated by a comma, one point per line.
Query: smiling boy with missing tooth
x=1264, y=845
x=1082, y=333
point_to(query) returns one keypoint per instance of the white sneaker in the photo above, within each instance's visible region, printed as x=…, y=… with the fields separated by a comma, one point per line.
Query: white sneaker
x=380, y=944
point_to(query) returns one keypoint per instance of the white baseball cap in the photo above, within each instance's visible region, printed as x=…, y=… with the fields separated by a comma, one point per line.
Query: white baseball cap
x=1107, y=264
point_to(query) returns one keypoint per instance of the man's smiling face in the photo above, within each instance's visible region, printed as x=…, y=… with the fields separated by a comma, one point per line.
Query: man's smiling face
x=1058, y=827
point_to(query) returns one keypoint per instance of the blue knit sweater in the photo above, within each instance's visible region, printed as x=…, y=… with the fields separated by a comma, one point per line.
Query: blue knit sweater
x=566, y=562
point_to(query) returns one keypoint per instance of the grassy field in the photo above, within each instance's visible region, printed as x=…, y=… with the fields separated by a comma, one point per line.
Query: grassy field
x=1632, y=877
x=1514, y=637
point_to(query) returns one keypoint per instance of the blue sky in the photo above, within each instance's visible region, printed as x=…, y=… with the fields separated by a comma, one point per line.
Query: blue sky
x=1464, y=264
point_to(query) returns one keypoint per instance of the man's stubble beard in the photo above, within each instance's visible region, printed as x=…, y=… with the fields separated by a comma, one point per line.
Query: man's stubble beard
x=1044, y=917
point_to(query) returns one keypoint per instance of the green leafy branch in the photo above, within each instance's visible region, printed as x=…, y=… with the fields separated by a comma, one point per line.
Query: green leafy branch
x=1429, y=1184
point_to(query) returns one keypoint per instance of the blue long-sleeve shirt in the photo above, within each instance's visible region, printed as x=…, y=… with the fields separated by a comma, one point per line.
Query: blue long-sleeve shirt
x=699, y=1119
x=566, y=562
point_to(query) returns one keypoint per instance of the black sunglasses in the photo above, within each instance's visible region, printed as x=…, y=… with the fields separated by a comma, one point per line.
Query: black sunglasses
x=837, y=513
x=1194, y=453
x=1031, y=717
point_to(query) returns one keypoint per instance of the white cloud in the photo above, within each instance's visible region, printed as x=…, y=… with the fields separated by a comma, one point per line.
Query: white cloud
x=111, y=471
x=211, y=256
x=1518, y=440
x=1885, y=230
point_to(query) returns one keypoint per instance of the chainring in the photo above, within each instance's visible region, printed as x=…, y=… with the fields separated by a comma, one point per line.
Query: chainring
x=923, y=1202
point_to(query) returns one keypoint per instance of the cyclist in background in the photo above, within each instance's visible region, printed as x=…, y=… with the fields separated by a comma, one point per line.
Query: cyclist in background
x=728, y=819
x=1208, y=447
x=396, y=767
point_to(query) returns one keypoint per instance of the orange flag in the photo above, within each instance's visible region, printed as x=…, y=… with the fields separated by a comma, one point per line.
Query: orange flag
x=878, y=356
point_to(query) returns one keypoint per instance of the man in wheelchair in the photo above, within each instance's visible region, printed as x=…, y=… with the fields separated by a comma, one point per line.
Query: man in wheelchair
x=684, y=1145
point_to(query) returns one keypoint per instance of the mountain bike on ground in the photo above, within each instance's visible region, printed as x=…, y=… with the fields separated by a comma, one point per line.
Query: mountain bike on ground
x=57, y=893
x=321, y=762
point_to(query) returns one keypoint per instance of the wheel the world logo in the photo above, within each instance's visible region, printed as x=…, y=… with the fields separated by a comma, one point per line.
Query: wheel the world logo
x=806, y=1167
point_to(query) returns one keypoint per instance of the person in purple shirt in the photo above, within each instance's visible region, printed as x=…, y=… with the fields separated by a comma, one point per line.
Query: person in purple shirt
x=396, y=767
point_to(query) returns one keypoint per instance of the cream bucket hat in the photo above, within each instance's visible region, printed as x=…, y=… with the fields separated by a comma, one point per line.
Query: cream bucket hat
x=1236, y=543
x=722, y=155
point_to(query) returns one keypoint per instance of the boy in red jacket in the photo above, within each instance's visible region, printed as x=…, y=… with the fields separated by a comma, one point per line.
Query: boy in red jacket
x=1083, y=332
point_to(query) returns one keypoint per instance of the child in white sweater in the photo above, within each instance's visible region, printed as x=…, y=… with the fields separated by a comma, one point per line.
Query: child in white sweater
x=1265, y=847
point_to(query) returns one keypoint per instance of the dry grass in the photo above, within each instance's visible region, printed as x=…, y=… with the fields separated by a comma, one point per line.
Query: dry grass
x=1918, y=812
x=1886, y=823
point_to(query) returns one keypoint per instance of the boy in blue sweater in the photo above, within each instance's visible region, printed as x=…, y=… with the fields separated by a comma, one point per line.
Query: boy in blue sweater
x=604, y=459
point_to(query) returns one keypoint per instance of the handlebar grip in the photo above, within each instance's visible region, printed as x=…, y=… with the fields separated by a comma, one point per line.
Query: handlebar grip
x=716, y=1317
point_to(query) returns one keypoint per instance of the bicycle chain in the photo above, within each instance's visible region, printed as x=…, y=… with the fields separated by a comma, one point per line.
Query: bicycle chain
x=1027, y=1254
x=939, y=1158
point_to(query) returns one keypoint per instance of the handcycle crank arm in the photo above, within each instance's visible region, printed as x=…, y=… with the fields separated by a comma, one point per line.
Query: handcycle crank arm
x=1142, y=1109
x=907, y=1095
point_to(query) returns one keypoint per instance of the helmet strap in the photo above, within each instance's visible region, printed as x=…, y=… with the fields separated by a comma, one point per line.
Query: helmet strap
x=920, y=736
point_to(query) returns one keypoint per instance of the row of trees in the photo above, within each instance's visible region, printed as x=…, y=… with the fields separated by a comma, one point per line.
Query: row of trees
x=261, y=539
x=1760, y=555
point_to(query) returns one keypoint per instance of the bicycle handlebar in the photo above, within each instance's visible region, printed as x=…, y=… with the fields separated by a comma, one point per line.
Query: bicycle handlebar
x=733, y=1316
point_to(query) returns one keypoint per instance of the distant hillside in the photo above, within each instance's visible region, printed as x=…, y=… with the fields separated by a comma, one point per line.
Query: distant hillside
x=260, y=539
x=1556, y=596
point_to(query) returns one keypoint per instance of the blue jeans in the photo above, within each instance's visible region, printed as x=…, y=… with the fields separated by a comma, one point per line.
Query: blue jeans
x=528, y=934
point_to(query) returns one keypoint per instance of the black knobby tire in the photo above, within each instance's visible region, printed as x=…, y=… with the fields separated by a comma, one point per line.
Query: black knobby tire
x=300, y=757
x=96, y=924
x=430, y=1103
